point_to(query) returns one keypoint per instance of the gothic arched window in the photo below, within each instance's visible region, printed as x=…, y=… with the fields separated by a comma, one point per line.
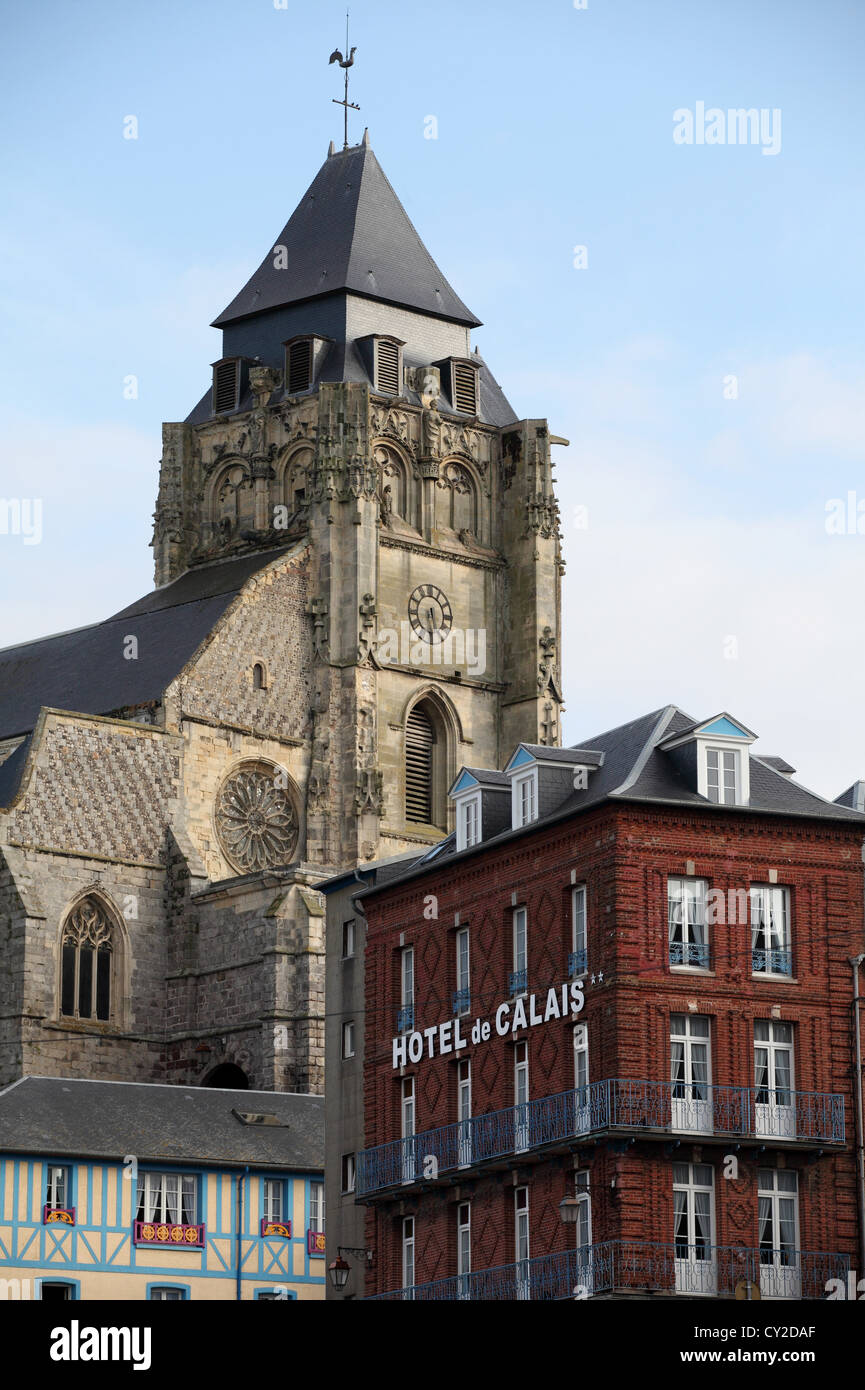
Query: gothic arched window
x=87, y=963
x=427, y=761
x=419, y=742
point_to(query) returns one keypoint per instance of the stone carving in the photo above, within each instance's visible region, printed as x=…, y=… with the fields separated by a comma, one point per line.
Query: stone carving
x=88, y=925
x=454, y=476
x=255, y=820
x=547, y=644
x=263, y=382
x=317, y=610
x=366, y=641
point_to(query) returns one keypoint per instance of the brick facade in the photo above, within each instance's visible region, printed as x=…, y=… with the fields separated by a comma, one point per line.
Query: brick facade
x=624, y=855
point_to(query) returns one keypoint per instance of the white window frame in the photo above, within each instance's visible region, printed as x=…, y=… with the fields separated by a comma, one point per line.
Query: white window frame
x=57, y=1188
x=348, y=1173
x=775, y=1117
x=690, y=1096
x=521, y=1097
x=406, y=987
x=520, y=934
x=775, y=898
x=168, y=1197
x=469, y=821
x=694, y=1275
x=464, y=1111
x=316, y=1207
x=408, y=1252
x=348, y=1040
x=688, y=897
x=582, y=1193
x=579, y=920
x=462, y=946
x=464, y=1247
x=780, y=1276
x=273, y=1198
x=408, y=1128
x=524, y=798
x=522, y=1241
x=741, y=771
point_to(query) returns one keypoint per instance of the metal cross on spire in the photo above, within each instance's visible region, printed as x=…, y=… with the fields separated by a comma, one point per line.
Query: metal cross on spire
x=345, y=64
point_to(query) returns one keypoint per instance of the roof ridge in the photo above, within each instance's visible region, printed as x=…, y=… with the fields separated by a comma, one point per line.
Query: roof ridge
x=648, y=748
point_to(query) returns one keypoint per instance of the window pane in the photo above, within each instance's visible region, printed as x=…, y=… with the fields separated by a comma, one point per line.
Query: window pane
x=103, y=984
x=85, y=982
x=67, y=993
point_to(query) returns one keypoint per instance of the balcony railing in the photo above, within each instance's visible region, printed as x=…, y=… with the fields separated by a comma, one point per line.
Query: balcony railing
x=651, y=1106
x=578, y=962
x=405, y=1019
x=774, y=962
x=690, y=953
x=518, y=982
x=462, y=999
x=638, y=1267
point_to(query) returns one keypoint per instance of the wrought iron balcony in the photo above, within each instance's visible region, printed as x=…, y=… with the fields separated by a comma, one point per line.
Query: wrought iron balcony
x=627, y=1267
x=518, y=982
x=578, y=963
x=653, y=1108
x=775, y=962
x=690, y=953
x=405, y=1019
x=462, y=999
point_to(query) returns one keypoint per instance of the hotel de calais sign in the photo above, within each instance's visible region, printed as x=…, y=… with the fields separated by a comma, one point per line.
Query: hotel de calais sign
x=440, y=1039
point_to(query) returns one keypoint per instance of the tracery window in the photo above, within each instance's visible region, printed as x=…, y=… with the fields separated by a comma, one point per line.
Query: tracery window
x=87, y=963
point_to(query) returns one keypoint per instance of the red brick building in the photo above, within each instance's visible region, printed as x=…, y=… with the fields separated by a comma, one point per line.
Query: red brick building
x=624, y=983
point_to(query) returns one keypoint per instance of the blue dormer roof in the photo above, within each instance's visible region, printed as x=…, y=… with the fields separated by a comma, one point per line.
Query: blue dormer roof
x=465, y=781
x=520, y=759
x=726, y=727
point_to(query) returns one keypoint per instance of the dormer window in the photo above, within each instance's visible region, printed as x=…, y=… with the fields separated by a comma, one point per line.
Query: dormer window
x=388, y=354
x=460, y=379
x=714, y=758
x=226, y=385
x=298, y=366
x=723, y=779
x=525, y=798
x=304, y=356
x=469, y=822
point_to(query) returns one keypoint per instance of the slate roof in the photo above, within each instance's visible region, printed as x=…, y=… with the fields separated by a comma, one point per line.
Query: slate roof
x=854, y=796
x=180, y=1124
x=635, y=768
x=350, y=232
x=85, y=670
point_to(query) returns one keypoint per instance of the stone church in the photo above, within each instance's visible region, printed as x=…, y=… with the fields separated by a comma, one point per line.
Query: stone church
x=357, y=569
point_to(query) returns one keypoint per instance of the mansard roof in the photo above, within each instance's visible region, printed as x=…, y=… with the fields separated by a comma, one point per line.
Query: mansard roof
x=85, y=670
x=637, y=767
x=350, y=232
x=170, y=1124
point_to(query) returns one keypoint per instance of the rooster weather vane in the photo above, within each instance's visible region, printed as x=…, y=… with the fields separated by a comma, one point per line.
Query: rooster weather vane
x=345, y=64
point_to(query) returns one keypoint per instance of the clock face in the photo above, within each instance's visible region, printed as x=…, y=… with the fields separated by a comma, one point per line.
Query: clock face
x=430, y=613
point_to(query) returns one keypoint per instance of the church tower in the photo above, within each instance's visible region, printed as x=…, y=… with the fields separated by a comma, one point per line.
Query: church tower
x=350, y=421
x=357, y=591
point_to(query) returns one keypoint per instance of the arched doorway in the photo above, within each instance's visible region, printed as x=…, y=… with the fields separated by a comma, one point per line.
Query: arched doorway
x=227, y=1077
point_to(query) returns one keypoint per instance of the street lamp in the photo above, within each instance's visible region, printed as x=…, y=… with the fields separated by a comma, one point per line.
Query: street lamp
x=341, y=1269
x=569, y=1210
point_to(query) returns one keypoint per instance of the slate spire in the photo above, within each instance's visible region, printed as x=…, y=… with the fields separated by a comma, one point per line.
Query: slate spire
x=349, y=233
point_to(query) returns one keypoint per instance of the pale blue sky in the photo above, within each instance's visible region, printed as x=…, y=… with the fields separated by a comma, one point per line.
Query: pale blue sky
x=706, y=515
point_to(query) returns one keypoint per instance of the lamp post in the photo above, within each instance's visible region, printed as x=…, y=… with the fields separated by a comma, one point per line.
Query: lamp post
x=341, y=1269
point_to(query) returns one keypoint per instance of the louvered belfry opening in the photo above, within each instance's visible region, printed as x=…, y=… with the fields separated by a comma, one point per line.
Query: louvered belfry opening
x=387, y=368
x=419, y=740
x=465, y=389
x=225, y=386
x=299, y=366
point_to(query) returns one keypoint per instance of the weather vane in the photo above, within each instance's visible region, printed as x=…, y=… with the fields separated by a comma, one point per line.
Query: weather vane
x=345, y=64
